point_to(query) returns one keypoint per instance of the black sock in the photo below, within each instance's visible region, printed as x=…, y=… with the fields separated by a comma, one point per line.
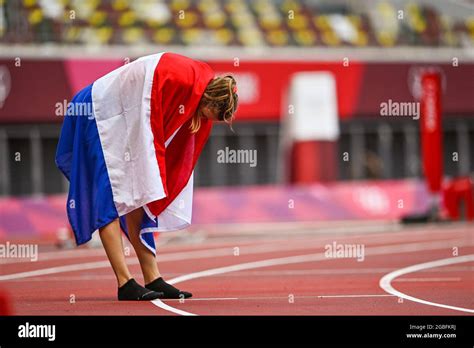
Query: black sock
x=132, y=291
x=169, y=290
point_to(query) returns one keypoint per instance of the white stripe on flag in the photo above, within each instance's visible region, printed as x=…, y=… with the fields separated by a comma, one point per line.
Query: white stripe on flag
x=122, y=111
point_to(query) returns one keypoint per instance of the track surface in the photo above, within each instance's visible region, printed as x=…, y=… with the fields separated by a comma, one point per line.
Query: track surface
x=264, y=273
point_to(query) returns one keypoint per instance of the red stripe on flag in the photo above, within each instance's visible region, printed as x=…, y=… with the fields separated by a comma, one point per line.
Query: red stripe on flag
x=178, y=85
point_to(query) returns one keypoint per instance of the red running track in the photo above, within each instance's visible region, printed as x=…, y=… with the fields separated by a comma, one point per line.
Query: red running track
x=263, y=273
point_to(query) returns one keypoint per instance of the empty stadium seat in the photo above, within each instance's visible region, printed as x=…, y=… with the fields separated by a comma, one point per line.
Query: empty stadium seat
x=232, y=22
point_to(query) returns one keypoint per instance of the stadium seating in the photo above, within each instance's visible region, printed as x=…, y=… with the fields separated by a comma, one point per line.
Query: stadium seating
x=231, y=22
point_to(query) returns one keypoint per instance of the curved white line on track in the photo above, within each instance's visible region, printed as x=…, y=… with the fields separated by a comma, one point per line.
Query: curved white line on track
x=381, y=250
x=164, y=306
x=385, y=281
x=238, y=267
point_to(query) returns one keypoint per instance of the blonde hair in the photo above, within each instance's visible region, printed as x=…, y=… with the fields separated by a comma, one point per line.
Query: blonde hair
x=221, y=93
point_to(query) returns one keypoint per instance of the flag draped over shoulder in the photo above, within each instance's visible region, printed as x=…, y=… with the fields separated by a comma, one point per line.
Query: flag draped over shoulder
x=125, y=144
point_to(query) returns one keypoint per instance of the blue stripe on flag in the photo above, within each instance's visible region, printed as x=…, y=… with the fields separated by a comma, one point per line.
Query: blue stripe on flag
x=79, y=156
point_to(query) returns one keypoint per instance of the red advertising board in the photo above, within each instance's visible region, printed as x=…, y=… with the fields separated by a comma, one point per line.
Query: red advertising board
x=32, y=91
x=431, y=130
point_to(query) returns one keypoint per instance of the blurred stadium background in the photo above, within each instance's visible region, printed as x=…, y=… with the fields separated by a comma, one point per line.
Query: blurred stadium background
x=50, y=49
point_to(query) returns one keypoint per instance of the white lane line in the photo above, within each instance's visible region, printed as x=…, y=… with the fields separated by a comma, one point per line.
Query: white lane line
x=353, y=296
x=178, y=256
x=381, y=250
x=59, y=254
x=385, y=282
x=170, y=309
x=386, y=238
x=287, y=273
x=249, y=265
x=213, y=299
x=408, y=236
x=285, y=298
x=402, y=248
x=446, y=279
x=55, y=270
x=216, y=252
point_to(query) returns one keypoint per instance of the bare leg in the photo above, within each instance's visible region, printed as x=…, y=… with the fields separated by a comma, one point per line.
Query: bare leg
x=151, y=274
x=111, y=237
x=147, y=259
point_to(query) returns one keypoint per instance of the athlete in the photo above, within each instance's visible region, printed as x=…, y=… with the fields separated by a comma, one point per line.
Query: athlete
x=128, y=146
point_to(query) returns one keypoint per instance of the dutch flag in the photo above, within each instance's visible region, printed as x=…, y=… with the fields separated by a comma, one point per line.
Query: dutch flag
x=125, y=143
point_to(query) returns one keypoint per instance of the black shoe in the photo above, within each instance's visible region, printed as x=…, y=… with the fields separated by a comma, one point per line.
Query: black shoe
x=168, y=290
x=132, y=291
